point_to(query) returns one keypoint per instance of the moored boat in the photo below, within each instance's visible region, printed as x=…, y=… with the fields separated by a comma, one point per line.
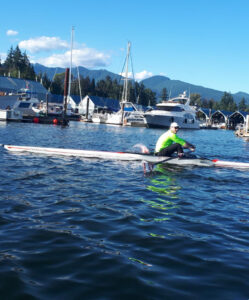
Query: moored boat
x=176, y=109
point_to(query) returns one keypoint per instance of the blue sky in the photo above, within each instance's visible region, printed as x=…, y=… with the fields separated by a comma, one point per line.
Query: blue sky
x=203, y=42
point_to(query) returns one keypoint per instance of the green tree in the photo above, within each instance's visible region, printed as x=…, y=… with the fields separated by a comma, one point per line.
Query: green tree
x=46, y=82
x=92, y=87
x=242, y=104
x=57, y=86
x=17, y=63
x=9, y=59
x=164, y=95
x=195, y=99
x=227, y=102
x=211, y=103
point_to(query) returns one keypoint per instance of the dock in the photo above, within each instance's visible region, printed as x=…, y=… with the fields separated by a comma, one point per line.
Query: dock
x=243, y=131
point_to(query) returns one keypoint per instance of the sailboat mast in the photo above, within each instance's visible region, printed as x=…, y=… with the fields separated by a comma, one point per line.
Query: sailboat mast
x=71, y=62
x=66, y=86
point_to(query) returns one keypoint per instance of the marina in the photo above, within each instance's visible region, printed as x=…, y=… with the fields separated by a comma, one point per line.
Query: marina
x=74, y=226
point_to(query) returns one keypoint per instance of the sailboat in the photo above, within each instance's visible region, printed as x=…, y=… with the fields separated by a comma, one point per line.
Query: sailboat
x=128, y=113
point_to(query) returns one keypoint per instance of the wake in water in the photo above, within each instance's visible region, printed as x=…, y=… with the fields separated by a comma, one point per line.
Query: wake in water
x=140, y=148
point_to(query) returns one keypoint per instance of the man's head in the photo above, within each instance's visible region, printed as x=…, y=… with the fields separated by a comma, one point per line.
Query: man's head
x=174, y=127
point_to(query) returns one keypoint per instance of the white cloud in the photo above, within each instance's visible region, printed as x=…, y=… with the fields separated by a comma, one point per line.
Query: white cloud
x=138, y=76
x=11, y=32
x=43, y=43
x=130, y=75
x=87, y=57
x=143, y=75
x=3, y=56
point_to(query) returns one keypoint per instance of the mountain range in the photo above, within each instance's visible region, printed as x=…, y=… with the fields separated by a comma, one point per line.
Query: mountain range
x=97, y=75
x=155, y=83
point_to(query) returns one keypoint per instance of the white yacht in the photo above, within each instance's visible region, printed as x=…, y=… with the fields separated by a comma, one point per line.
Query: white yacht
x=18, y=105
x=25, y=103
x=176, y=109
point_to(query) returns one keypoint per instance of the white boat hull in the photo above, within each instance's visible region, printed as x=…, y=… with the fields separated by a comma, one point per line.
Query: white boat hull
x=163, y=121
x=3, y=115
x=126, y=156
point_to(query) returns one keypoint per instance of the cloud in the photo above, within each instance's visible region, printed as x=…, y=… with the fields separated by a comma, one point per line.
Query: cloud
x=143, y=75
x=87, y=57
x=11, y=32
x=3, y=56
x=43, y=43
x=130, y=75
x=138, y=76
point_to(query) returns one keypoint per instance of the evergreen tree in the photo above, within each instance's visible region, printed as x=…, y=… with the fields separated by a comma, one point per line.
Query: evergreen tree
x=164, y=95
x=226, y=102
x=57, y=86
x=18, y=60
x=46, y=82
x=17, y=63
x=216, y=106
x=211, y=103
x=242, y=104
x=9, y=59
x=195, y=99
x=92, y=87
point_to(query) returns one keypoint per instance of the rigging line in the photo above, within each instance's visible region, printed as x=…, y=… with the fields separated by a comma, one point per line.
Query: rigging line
x=132, y=70
x=71, y=62
x=49, y=89
x=121, y=78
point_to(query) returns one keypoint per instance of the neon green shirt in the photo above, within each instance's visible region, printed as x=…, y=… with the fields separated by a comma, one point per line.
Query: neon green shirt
x=167, y=139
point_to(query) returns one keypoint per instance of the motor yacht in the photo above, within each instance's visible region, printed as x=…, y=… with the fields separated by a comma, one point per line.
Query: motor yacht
x=176, y=109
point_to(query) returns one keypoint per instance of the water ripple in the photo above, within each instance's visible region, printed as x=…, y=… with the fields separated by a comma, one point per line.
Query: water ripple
x=91, y=229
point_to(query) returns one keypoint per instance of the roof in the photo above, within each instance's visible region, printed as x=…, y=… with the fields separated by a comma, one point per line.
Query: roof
x=243, y=113
x=225, y=113
x=108, y=103
x=207, y=111
x=7, y=101
x=59, y=98
x=112, y=104
x=13, y=85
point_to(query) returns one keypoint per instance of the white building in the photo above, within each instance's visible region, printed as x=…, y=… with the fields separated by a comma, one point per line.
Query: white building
x=95, y=103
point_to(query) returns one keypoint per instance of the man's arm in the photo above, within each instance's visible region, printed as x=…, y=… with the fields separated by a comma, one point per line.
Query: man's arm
x=189, y=146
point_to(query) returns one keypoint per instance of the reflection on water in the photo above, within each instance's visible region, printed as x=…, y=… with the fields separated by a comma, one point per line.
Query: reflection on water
x=164, y=185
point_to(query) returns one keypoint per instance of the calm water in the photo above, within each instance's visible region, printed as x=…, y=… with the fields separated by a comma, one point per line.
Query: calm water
x=91, y=229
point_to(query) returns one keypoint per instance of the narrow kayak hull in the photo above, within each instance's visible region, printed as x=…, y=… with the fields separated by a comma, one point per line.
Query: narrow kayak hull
x=191, y=160
x=112, y=155
x=230, y=164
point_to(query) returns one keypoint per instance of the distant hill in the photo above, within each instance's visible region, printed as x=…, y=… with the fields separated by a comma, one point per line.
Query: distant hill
x=176, y=87
x=92, y=74
x=155, y=83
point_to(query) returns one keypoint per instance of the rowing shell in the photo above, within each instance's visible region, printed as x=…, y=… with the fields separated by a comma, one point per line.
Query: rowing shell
x=126, y=156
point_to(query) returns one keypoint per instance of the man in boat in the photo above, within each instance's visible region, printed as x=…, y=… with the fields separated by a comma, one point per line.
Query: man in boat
x=170, y=142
